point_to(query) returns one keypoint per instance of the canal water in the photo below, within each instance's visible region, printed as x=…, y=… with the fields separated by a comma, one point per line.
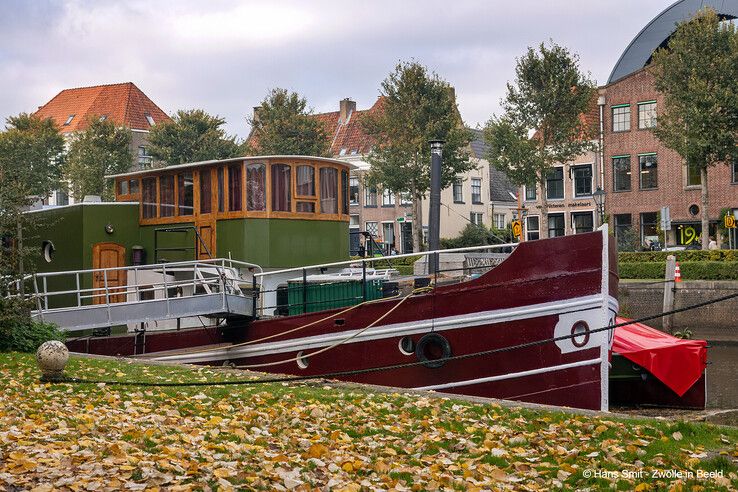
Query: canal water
x=722, y=375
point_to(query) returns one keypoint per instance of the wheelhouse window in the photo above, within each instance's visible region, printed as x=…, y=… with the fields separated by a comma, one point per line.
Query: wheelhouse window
x=582, y=222
x=388, y=198
x=185, y=193
x=206, y=191
x=281, y=193
x=305, y=181
x=648, y=165
x=582, y=176
x=255, y=187
x=235, y=188
x=354, y=191
x=621, y=173
x=370, y=196
x=166, y=196
x=532, y=228
x=555, y=225
x=555, y=184
x=149, y=198
x=345, y=192
x=621, y=118
x=458, y=191
x=647, y=114
x=328, y=190
x=221, y=189
x=133, y=186
x=476, y=189
x=123, y=187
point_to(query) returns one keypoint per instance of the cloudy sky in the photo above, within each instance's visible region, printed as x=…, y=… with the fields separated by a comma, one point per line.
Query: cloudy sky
x=223, y=56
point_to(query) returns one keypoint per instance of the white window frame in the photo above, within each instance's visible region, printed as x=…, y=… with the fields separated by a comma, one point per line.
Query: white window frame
x=473, y=215
x=574, y=182
x=388, y=198
x=352, y=180
x=496, y=223
x=460, y=183
x=367, y=194
x=480, y=201
x=375, y=234
x=405, y=198
x=612, y=117
x=525, y=193
x=394, y=233
x=643, y=104
x=563, y=185
x=571, y=219
x=527, y=231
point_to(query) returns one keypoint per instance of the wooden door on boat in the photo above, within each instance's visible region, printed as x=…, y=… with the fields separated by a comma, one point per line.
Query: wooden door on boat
x=206, y=240
x=108, y=255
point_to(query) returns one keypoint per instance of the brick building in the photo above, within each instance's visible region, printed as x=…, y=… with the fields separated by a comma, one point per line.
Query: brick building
x=123, y=104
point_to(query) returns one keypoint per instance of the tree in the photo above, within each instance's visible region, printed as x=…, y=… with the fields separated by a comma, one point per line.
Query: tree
x=283, y=125
x=100, y=149
x=697, y=73
x=548, y=100
x=191, y=136
x=417, y=107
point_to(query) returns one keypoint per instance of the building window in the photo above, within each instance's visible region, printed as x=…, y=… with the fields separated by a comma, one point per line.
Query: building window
x=623, y=225
x=235, y=188
x=582, y=222
x=499, y=221
x=370, y=196
x=388, y=235
x=555, y=184
x=185, y=192
x=149, y=119
x=476, y=189
x=621, y=173
x=735, y=171
x=206, y=191
x=69, y=120
x=354, y=191
x=530, y=193
x=144, y=159
x=647, y=114
x=582, y=176
x=405, y=199
x=281, y=193
x=328, y=190
x=62, y=197
x=255, y=187
x=166, y=196
x=648, y=227
x=372, y=228
x=476, y=218
x=648, y=165
x=354, y=220
x=555, y=225
x=621, y=118
x=532, y=226
x=458, y=189
x=693, y=175
x=388, y=198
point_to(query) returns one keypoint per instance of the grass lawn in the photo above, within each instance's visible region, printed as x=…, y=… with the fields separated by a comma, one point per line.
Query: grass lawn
x=302, y=437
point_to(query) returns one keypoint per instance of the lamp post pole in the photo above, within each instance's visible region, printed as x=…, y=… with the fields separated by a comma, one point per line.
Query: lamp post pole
x=599, y=199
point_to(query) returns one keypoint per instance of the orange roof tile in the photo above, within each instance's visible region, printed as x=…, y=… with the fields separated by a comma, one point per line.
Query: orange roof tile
x=124, y=104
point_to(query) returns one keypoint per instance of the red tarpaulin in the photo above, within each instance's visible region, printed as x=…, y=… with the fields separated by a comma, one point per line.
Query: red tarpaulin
x=675, y=362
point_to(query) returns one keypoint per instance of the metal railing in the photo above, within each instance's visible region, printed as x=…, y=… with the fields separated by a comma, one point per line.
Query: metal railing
x=143, y=283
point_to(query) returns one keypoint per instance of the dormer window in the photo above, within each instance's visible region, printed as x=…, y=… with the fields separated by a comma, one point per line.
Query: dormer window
x=150, y=119
x=103, y=117
x=342, y=152
x=69, y=120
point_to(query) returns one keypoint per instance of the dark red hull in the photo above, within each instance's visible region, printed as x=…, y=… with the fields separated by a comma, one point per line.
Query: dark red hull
x=541, y=291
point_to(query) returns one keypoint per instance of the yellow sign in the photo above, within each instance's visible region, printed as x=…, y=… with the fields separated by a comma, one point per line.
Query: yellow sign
x=517, y=229
x=729, y=221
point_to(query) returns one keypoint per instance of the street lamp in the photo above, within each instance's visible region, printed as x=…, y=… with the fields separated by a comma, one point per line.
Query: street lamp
x=599, y=199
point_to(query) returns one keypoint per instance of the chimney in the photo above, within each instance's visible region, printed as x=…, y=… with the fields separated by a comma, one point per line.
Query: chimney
x=347, y=107
x=257, y=110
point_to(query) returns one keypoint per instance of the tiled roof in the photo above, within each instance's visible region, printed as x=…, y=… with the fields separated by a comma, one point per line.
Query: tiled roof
x=500, y=186
x=124, y=104
x=348, y=137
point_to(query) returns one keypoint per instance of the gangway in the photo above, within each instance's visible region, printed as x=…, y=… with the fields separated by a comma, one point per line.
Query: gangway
x=217, y=287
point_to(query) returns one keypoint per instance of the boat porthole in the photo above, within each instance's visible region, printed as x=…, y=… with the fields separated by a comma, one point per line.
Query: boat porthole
x=302, y=360
x=47, y=249
x=407, y=346
x=580, y=334
x=432, y=349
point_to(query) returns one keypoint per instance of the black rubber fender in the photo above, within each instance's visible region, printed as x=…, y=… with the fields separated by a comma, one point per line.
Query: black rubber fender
x=428, y=340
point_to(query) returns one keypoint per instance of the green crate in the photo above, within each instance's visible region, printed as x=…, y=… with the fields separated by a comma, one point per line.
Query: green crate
x=330, y=295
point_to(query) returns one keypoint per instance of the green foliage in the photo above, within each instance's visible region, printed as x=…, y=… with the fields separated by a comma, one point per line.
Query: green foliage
x=18, y=333
x=628, y=239
x=477, y=235
x=684, y=255
x=283, y=125
x=31, y=155
x=690, y=270
x=192, y=136
x=685, y=334
x=100, y=149
x=697, y=74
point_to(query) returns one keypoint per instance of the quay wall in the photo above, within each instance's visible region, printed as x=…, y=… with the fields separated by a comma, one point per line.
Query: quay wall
x=716, y=322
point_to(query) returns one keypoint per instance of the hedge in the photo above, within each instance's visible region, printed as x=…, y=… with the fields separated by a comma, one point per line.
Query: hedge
x=684, y=255
x=690, y=270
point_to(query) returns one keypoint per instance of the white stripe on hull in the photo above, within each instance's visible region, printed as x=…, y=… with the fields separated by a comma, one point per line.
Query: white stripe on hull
x=511, y=375
x=399, y=329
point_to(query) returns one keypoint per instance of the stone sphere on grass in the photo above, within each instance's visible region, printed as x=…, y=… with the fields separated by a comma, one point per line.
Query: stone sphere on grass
x=51, y=357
